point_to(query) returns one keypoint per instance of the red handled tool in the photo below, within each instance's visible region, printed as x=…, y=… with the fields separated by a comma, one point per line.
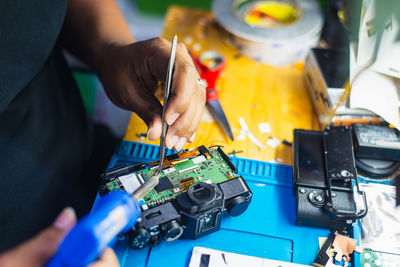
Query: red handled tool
x=210, y=64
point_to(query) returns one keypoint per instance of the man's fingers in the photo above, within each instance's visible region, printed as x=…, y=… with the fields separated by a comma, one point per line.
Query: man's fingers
x=150, y=110
x=45, y=244
x=107, y=259
x=185, y=107
x=185, y=127
x=38, y=250
x=184, y=86
x=155, y=128
x=184, y=81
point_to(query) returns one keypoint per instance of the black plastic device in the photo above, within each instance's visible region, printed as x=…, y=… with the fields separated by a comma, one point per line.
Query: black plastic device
x=325, y=179
x=377, y=150
x=376, y=142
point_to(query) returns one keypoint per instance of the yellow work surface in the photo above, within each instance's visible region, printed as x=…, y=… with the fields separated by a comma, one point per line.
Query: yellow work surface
x=247, y=89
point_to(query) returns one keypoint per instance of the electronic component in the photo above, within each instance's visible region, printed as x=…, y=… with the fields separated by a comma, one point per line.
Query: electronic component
x=188, y=169
x=337, y=248
x=163, y=184
x=169, y=170
x=344, y=246
x=185, y=183
x=323, y=256
x=194, y=189
x=374, y=258
x=229, y=174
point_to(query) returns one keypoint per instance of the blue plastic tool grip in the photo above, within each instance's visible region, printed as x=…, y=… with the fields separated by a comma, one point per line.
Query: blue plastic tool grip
x=115, y=213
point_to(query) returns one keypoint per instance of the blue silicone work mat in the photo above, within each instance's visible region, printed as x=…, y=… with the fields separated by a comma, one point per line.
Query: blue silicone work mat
x=265, y=230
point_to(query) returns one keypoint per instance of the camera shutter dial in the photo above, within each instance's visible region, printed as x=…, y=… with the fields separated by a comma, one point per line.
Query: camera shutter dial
x=172, y=231
x=139, y=237
x=155, y=239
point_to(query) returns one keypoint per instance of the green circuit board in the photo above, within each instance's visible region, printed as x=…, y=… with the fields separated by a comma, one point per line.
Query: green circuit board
x=209, y=167
x=379, y=259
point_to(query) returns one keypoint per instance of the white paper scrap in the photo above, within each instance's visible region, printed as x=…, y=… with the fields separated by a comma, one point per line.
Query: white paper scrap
x=242, y=135
x=273, y=142
x=249, y=134
x=377, y=93
x=217, y=258
x=264, y=127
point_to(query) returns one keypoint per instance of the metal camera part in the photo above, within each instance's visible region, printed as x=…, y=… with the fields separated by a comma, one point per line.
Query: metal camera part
x=316, y=198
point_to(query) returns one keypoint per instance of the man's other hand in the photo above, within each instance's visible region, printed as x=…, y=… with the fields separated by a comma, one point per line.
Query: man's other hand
x=37, y=251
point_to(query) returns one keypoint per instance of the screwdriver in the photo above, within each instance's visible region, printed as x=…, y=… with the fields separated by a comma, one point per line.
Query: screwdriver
x=116, y=212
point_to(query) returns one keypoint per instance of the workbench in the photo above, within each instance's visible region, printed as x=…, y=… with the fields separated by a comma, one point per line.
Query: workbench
x=258, y=94
x=247, y=89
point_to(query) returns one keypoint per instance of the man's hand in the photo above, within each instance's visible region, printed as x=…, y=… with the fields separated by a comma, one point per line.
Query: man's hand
x=130, y=74
x=97, y=32
x=37, y=251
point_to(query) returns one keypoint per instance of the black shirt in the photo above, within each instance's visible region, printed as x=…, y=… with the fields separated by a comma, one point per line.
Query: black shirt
x=44, y=132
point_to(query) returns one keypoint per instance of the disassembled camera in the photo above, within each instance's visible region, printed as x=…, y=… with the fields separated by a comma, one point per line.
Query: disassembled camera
x=195, y=188
x=325, y=179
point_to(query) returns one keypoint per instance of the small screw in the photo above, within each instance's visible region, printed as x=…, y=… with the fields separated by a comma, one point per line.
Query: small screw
x=302, y=190
x=334, y=195
x=318, y=198
x=139, y=220
x=345, y=173
x=349, y=221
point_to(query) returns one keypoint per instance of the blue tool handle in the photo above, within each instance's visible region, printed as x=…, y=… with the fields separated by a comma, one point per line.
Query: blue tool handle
x=116, y=212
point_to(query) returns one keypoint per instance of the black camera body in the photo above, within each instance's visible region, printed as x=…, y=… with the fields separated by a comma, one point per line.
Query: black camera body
x=325, y=179
x=194, y=212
